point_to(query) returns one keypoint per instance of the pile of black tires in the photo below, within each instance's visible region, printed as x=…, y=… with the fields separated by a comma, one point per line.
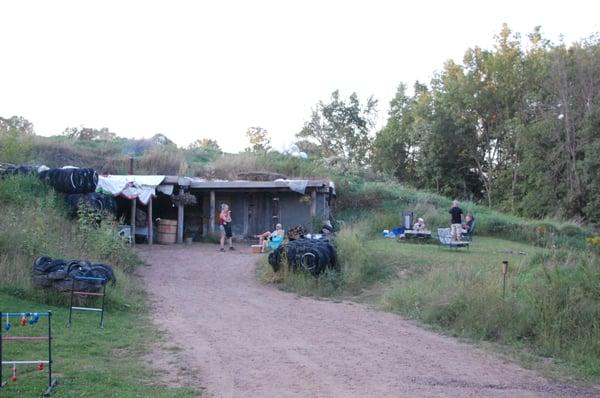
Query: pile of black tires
x=309, y=255
x=71, y=180
x=58, y=274
x=16, y=170
x=94, y=200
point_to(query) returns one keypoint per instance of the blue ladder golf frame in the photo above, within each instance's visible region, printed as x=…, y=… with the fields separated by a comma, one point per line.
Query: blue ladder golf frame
x=103, y=281
x=51, y=382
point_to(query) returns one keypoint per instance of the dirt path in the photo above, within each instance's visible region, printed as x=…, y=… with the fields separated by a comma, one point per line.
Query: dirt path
x=243, y=339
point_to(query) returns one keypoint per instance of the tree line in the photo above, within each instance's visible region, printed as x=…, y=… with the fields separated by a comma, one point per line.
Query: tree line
x=516, y=127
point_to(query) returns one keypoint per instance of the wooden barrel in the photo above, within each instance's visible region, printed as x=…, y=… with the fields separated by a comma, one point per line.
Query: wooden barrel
x=167, y=231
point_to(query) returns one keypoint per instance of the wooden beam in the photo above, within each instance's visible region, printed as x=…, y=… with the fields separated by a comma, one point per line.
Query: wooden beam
x=150, y=223
x=132, y=220
x=245, y=215
x=313, y=202
x=180, y=223
x=212, y=213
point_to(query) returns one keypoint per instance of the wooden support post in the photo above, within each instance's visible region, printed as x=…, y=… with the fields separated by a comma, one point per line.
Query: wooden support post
x=150, y=223
x=132, y=219
x=212, y=212
x=313, y=203
x=180, y=223
x=245, y=205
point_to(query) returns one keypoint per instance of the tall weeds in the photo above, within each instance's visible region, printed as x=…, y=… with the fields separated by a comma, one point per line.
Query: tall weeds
x=552, y=305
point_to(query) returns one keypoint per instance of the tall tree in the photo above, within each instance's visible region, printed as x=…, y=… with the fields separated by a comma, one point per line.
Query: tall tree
x=259, y=139
x=341, y=127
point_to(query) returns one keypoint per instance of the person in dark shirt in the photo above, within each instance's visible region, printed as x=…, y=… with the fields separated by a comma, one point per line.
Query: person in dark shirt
x=456, y=220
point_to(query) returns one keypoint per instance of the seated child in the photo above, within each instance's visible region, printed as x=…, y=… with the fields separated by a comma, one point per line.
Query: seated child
x=467, y=228
x=419, y=225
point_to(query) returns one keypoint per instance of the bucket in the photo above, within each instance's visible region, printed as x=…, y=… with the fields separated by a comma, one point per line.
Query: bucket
x=167, y=231
x=407, y=218
x=256, y=248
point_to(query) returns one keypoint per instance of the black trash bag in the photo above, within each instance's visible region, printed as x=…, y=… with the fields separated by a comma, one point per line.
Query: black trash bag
x=72, y=180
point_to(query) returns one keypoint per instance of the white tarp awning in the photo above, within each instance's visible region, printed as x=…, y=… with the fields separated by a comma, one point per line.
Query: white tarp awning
x=295, y=185
x=130, y=186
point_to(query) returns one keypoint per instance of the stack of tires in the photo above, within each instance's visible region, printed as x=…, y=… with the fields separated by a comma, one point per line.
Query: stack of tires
x=94, y=200
x=6, y=170
x=71, y=180
x=58, y=274
x=309, y=255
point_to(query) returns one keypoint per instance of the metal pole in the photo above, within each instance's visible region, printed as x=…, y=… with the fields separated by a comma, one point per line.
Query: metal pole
x=71, y=304
x=49, y=349
x=1, y=366
x=102, y=313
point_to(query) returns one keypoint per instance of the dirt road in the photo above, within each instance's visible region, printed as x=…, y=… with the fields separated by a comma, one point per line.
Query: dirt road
x=243, y=339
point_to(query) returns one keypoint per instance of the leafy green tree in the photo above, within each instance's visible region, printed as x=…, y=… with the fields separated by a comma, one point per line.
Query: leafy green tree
x=203, y=150
x=341, y=127
x=16, y=124
x=259, y=138
x=16, y=135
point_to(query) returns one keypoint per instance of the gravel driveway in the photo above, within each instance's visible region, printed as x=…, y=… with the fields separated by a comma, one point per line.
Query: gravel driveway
x=242, y=339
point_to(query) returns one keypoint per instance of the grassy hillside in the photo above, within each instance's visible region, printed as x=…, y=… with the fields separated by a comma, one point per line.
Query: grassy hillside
x=89, y=361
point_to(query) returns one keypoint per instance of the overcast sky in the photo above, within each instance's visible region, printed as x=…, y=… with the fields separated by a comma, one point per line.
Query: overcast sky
x=193, y=69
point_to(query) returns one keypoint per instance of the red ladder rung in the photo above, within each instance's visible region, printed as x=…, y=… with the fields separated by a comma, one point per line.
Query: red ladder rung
x=26, y=338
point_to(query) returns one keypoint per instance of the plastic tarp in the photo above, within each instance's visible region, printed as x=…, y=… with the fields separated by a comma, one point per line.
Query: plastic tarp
x=130, y=186
x=295, y=185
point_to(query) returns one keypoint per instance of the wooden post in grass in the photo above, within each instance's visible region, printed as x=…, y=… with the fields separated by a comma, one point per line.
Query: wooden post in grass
x=504, y=272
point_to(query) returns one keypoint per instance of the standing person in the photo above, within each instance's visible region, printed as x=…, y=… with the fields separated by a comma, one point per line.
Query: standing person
x=225, y=227
x=456, y=222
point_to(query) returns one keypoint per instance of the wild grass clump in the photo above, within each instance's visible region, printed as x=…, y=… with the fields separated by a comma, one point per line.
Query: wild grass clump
x=34, y=223
x=551, y=307
x=357, y=268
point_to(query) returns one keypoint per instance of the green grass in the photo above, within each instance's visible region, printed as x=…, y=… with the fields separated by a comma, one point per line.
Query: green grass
x=88, y=361
x=551, y=307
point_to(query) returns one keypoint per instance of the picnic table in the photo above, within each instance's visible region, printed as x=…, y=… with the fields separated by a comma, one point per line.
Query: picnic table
x=414, y=234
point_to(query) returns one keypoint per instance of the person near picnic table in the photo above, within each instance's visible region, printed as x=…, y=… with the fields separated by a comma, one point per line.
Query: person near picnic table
x=467, y=227
x=263, y=239
x=419, y=225
x=456, y=220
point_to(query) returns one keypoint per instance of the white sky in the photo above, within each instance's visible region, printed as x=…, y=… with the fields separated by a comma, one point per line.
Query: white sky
x=196, y=69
